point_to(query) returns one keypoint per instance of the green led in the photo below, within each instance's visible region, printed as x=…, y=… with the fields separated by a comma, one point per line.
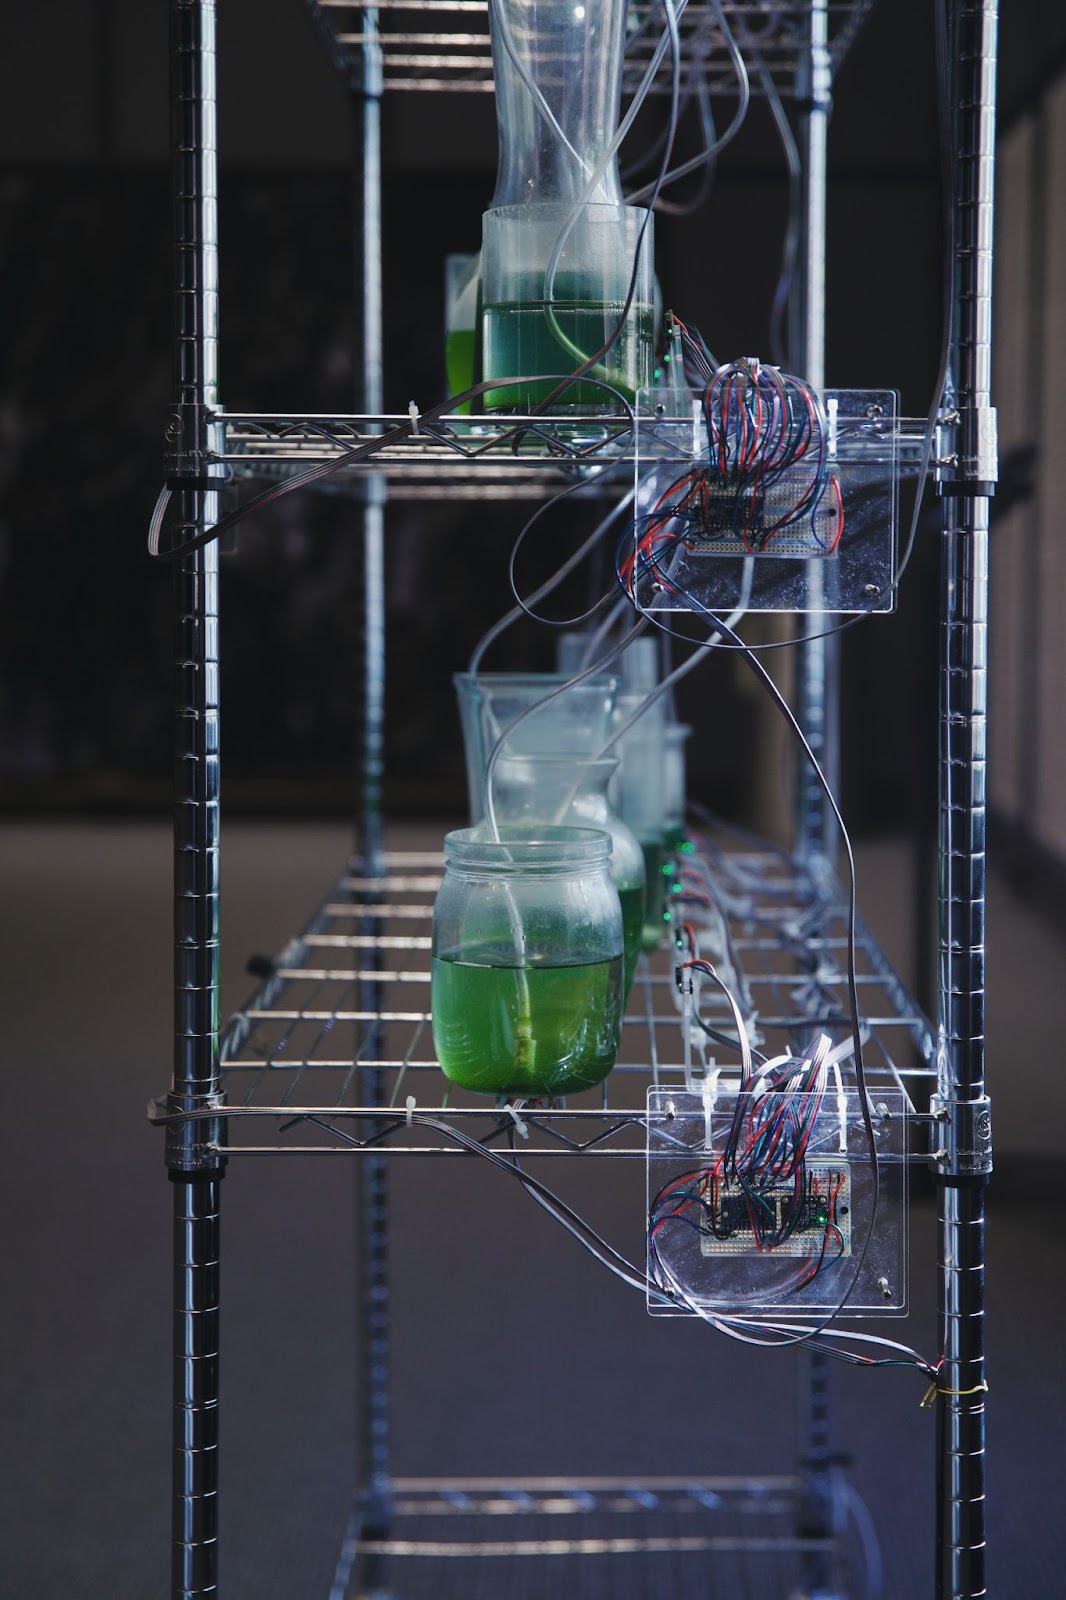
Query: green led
x=686, y=847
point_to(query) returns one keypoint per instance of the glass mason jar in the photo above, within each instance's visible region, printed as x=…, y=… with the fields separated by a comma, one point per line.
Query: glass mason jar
x=561, y=788
x=527, y=961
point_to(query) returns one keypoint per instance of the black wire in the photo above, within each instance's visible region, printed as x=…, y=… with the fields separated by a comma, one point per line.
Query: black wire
x=779, y=700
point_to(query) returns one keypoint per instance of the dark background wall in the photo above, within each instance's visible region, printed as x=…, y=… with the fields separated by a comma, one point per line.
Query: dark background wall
x=84, y=376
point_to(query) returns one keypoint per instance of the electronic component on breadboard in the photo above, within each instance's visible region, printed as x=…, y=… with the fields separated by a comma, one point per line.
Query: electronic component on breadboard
x=741, y=1221
x=731, y=520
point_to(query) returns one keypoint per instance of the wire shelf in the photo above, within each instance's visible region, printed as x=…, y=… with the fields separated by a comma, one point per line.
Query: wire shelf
x=440, y=46
x=483, y=457
x=323, y=1057
x=589, y=1538
x=489, y=457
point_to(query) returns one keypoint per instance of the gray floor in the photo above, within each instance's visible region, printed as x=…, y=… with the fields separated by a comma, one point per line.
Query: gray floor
x=512, y=1354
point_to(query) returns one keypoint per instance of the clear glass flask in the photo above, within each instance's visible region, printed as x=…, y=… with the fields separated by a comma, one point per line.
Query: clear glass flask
x=575, y=722
x=675, y=737
x=560, y=249
x=527, y=961
x=639, y=800
x=570, y=789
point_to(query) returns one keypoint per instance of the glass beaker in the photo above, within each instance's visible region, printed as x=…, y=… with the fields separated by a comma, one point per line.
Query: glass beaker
x=462, y=304
x=527, y=961
x=554, y=289
x=560, y=249
x=575, y=722
x=639, y=800
x=571, y=789
x=675, y=736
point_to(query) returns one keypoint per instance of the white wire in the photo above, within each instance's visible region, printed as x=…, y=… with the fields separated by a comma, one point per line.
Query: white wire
x=548, y=585
x=744, y=93
x=671, y=38
x=155, y=527
x=856, y=1507
x=686, y=666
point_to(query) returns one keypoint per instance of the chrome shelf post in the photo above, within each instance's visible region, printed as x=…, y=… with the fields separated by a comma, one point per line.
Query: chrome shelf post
x=965, y=1142
x=191, y=1148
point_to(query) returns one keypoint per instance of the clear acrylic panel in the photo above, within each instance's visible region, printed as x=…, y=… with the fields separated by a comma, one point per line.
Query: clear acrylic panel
x=838, y=559
x=757, y=1206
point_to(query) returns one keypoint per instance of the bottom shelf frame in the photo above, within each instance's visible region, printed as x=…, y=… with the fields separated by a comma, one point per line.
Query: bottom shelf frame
x=591, y=1539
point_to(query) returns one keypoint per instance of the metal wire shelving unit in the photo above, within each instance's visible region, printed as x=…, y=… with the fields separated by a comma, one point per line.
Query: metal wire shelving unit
x=442, y=46
x=294, y=1058
x=327, y=1054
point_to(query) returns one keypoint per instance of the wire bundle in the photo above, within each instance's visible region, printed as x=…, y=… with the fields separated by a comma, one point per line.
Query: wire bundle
x=766, y=477
x=762, y=1183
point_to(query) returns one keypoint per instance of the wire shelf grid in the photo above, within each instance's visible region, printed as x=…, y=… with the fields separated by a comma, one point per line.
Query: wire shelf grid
x=326, y=1053
x=590, y=1538
x=442, y=46
x=492, y=457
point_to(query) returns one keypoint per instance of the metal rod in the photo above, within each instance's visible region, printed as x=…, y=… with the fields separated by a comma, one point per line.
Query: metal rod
x=817, y=660
x=964, y=1135
x=194, y=1561
x=367, y=89
x=374, y=1490
x=817, y=694
x=192, y=1143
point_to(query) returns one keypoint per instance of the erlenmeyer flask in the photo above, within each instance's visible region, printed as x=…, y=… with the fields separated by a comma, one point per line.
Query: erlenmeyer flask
x=675, y=736
x=560, y=250
x=576, y=722
x=527, y=961
x=569, y=789
x=639, y=800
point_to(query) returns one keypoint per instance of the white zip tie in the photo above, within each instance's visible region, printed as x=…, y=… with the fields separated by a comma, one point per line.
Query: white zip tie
x=519, y=1124
x=846, y=1047
x=412, y=412
x=842, y=1108
x=410, y=1104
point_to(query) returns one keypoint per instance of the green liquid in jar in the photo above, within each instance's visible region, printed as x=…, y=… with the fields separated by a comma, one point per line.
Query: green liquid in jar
x=632, y=899
x=520, y=339
x=570, y=1035
x=655, y=883
x=459, y=351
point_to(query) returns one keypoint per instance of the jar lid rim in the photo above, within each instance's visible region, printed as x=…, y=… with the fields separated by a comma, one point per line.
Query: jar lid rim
x=596, y=680
x=529, y=845
x=556, y=758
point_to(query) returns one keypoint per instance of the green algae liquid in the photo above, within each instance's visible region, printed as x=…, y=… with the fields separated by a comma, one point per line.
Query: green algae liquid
x=529, y=336
x=632, y=899
x=460, y=348
x=570, y=1038
x=655, y=878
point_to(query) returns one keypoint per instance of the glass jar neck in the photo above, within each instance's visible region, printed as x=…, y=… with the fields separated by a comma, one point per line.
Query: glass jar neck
x=557, y=66
x=534, y=849
x=554, y=789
